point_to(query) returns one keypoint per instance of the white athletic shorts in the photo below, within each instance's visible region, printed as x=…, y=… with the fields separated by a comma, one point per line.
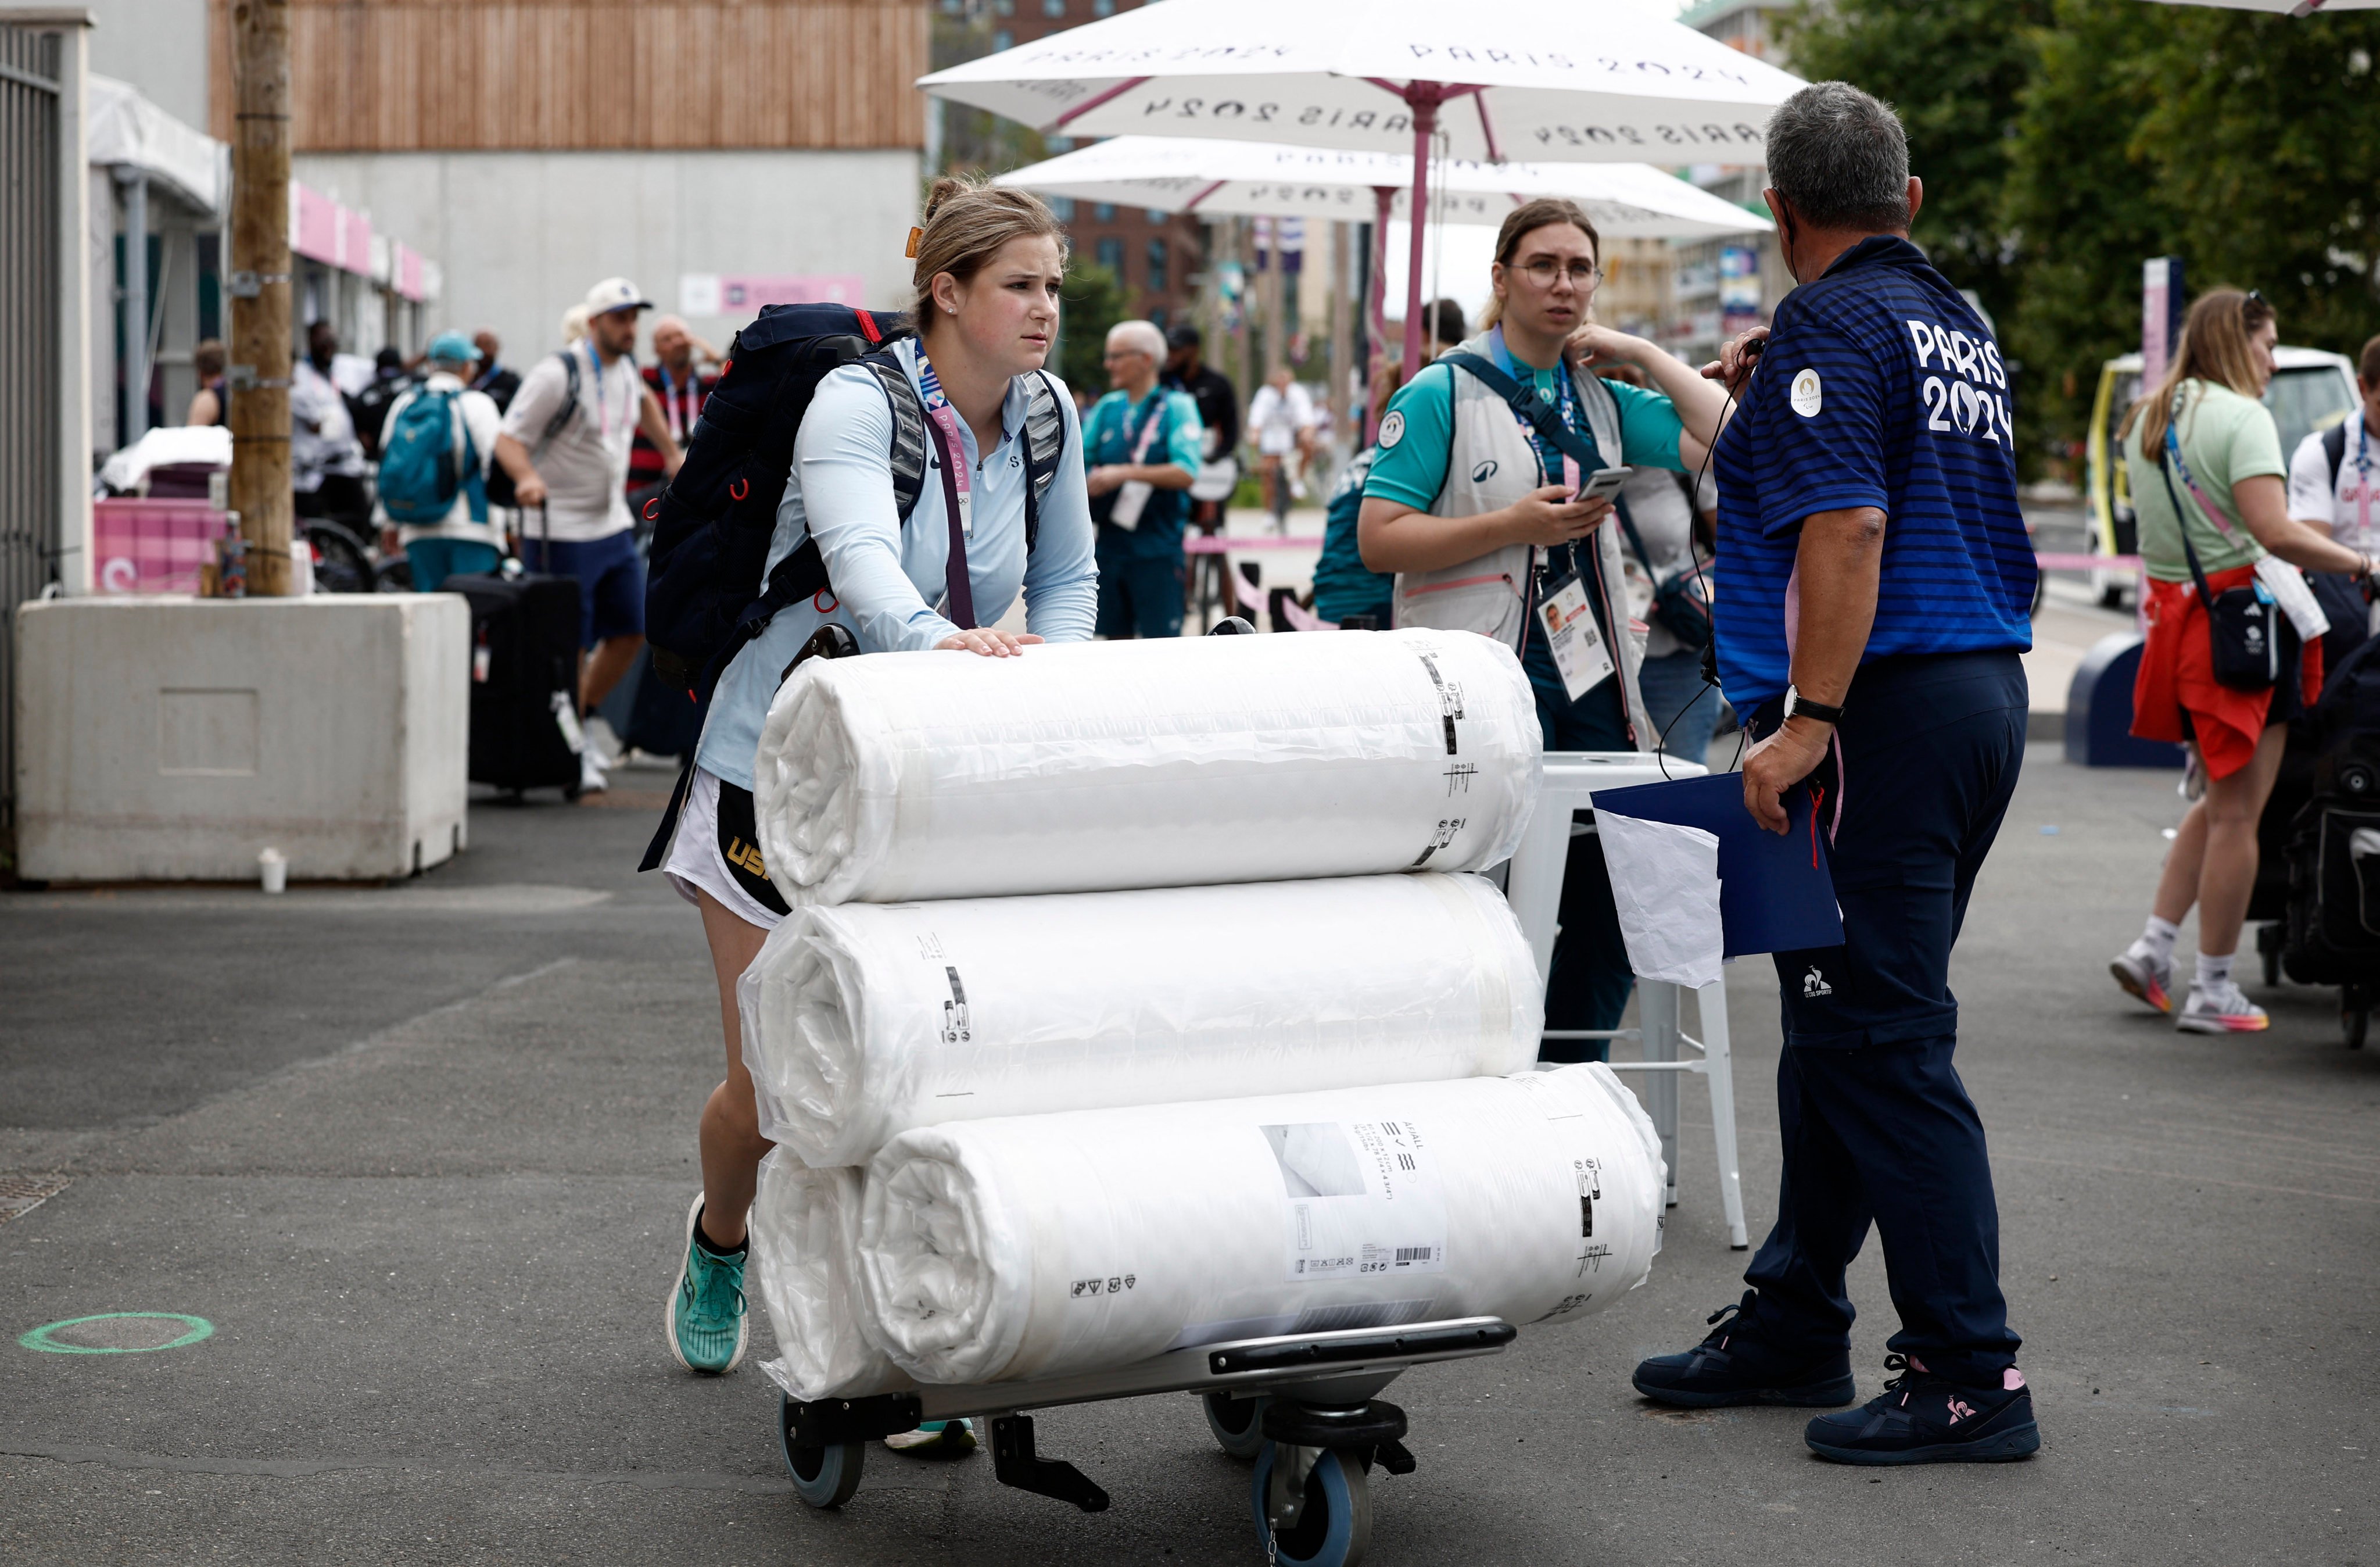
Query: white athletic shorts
x=698, y=856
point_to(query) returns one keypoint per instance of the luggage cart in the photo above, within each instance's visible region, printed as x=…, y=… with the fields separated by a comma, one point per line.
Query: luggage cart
x=1303, y=1408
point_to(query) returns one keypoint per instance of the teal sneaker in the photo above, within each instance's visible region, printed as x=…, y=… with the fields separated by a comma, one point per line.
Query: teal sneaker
x=708, y=1327
x=943, y=1438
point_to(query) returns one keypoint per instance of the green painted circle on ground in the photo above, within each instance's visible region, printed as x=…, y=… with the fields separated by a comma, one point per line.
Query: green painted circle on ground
x=119, y=1332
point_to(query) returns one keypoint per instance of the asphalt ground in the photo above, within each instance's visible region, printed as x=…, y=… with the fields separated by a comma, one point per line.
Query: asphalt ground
x=420, y=1158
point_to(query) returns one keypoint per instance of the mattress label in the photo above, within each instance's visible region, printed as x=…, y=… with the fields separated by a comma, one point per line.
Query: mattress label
x=1361, y=1198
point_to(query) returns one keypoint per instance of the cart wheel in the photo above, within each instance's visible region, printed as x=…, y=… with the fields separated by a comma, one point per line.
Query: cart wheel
x=1336, y=1527
x=2355, y=1019
x=570, y=792
x=1238, y=1423
x=823, y=1477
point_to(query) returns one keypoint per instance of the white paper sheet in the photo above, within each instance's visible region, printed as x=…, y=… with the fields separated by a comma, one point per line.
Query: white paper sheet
x=1665, y=885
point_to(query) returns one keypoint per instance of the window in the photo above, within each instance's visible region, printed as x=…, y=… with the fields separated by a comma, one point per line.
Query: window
x=1056, y=9
x=1003, y=39
x=954, y=7
x=1110, y=254
x=1062, y=208
x=1104, y=212
x=1156, y=257
x=1158, y=218
x=1104, y=7
x=1004, y=7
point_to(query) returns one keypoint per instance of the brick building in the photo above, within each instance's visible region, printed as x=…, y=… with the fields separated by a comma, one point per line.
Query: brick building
x=1159, y=256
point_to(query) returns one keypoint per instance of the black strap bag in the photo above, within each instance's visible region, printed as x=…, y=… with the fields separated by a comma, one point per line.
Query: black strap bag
x=2252, y=641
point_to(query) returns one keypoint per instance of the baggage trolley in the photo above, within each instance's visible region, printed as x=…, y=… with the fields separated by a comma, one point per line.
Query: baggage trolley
x=1304, y=1409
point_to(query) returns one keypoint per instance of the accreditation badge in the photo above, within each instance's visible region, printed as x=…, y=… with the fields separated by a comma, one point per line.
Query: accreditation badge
x=1579, y=650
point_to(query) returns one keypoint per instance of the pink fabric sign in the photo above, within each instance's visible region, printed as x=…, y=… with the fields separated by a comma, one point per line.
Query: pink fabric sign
x=314, y=225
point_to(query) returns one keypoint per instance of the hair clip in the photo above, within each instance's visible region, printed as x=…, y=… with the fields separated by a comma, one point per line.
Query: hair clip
x=915, y=235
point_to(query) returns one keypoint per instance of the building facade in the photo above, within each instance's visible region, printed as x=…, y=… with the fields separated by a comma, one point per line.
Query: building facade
x=723, y=154
x=1722, y=286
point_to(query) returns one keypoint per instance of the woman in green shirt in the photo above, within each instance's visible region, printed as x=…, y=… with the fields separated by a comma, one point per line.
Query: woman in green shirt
x=2227, y=499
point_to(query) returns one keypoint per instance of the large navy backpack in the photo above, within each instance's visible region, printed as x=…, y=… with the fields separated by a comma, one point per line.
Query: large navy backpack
x=704, y=597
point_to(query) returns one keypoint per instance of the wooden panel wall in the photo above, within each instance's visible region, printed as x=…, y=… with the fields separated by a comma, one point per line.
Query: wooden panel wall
x=440, y=75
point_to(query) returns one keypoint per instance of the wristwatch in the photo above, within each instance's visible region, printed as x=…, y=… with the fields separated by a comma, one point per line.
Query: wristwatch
x=1798, y=705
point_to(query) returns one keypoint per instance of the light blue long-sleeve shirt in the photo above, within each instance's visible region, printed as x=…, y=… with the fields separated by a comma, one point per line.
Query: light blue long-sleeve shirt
x=890, y=580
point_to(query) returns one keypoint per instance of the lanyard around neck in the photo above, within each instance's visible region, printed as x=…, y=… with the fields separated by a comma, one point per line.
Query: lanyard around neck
x=602, y=394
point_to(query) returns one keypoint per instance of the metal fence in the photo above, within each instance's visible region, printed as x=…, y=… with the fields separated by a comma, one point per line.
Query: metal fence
x=30, y=373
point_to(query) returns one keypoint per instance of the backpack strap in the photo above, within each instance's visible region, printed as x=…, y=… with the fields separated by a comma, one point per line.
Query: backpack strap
x=1045, y=444
x=1524, y=402
x=563, y=415
x=2333, y=446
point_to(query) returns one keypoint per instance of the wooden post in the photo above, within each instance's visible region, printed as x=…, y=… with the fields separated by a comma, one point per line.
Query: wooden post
x=260, y=360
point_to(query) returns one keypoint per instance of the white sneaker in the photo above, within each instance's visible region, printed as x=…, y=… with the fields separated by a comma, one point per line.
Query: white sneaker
x=2224, y=1011
x=2140, y=973
x=949, y=1437
x=590, y=772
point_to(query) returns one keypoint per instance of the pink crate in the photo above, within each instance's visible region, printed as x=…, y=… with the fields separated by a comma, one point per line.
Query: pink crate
x=140, y=546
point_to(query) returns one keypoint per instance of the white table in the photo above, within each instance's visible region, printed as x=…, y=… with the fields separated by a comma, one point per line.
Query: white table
x=1534, y=889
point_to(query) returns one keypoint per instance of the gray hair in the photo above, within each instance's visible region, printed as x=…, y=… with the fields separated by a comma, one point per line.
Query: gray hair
x=1840, y=158
x=1140, y=336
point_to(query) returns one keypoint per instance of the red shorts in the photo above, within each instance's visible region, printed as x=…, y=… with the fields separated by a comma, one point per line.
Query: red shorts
x=2176, y=697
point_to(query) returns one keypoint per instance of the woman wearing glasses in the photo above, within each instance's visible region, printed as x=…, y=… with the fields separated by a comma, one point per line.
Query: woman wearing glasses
x=1475, y=508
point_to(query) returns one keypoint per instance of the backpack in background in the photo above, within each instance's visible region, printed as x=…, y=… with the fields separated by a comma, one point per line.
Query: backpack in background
x=422, y=471
x=704, y=596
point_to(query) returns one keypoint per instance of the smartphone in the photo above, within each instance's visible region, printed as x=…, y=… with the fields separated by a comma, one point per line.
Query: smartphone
x=1603, y=484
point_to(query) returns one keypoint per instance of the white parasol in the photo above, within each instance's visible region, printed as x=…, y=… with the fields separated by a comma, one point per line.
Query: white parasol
x=1258, y=179
x=1564, y=81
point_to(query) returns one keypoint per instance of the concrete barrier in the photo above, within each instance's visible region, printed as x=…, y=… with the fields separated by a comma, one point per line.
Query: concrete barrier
x=2099, y=710
x=175, y=738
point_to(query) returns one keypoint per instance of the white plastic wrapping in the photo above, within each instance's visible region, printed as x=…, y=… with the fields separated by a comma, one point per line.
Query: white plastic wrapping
x=1043, y=1246
x=803, y=1224
x=1145, y=763
x=863, y=1020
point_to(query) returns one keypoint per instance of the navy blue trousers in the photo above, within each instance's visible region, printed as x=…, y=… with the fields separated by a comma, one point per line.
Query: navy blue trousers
x=1877, y=1128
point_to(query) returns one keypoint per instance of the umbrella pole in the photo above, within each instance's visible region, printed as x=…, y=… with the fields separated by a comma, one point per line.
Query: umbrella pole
x=1423, y=96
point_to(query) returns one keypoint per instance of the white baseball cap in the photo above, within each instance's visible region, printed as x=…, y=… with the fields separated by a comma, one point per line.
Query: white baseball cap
x=616, y=294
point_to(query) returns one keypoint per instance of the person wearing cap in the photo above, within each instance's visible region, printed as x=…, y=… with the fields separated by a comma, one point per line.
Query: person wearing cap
x=565, y=442
x=463, y=541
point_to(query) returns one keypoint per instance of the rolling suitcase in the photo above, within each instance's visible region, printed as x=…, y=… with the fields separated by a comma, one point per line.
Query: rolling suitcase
x=524, y=731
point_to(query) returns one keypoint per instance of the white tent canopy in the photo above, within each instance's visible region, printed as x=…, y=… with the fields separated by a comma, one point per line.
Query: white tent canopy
x=126, y=130
x=1567, y=81
x=1253, y=178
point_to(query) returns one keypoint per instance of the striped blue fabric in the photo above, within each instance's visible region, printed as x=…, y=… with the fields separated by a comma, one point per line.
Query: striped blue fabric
x=1880, y=387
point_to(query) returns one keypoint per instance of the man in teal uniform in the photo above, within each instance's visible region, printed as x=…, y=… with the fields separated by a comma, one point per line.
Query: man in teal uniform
x=1142, y=446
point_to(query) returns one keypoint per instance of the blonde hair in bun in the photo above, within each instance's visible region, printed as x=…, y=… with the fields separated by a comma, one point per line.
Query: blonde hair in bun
x=965, y=224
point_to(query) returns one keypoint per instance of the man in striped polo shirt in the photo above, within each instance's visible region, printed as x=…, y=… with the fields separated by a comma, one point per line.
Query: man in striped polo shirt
x=1874, y=579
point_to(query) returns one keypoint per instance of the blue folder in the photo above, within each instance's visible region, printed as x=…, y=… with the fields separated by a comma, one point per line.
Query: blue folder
x=1775, y=894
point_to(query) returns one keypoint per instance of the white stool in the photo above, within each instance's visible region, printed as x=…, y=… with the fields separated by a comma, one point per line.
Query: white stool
x=1534, y=889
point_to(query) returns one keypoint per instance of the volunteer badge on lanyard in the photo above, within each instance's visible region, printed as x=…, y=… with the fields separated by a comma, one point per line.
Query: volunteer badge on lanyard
x=939, y=409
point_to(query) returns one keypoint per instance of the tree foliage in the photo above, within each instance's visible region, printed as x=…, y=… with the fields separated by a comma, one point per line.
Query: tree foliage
x=1091, y=302
x=2064, y=142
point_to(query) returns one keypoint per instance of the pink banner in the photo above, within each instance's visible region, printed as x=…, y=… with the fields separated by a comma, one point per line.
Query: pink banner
x=739, y=294
x=407, y=270
x=355, y=242
x=314, y=229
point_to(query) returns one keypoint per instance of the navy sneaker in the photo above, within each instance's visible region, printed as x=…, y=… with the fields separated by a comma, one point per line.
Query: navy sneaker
x=1921, y=1418
x=1733, y=1366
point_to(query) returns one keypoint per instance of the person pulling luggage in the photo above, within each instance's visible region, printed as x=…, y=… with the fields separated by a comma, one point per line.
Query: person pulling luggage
x=989, y=266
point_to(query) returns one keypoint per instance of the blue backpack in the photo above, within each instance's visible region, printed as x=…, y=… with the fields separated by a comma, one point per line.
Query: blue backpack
x=420, y=473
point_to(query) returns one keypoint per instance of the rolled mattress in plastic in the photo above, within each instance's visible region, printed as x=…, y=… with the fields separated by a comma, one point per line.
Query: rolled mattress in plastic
x=864, y=1020
x=1043, y=1246
x=1157, y=763
x=803, y=1223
